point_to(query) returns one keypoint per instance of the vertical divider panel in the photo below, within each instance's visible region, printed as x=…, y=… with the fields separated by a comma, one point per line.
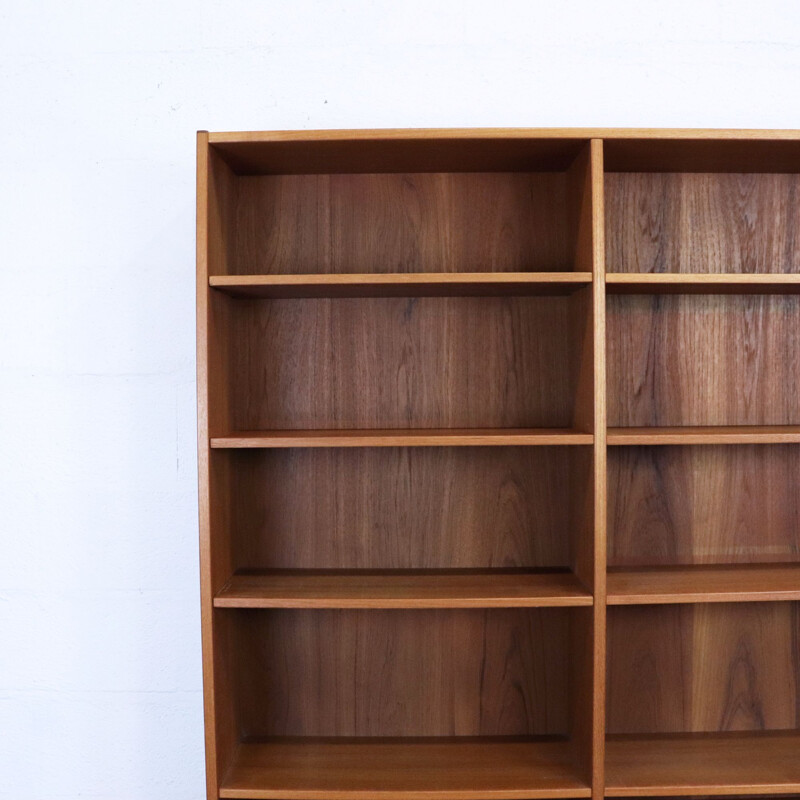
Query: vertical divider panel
x=588, y=554
x=214, y=181
x=600, y=470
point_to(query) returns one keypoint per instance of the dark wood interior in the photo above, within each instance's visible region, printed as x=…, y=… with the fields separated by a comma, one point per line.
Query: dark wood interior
x=681, y=360
x=323, y=153
x=737, y=504
x=703, y=668
x=702, y=222
x=408, y=508
x=419, y=362
x=401, y=222
x=501, y=672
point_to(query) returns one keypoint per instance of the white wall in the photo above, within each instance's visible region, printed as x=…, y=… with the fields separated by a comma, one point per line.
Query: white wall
x=99, y=103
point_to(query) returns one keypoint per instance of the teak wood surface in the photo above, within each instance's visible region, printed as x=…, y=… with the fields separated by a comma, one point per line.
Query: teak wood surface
x=499, y=459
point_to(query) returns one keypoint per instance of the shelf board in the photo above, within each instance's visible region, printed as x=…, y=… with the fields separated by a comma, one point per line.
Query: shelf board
x=720, y=434
x=410, y=284
x=391, y=589
x=705, y=764
x=736, y=583
x=442, y=437
x=403, y=770
x=697, y=283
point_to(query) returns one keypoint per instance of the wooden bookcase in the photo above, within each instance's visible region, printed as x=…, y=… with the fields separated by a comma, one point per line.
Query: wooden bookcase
x=499, y=453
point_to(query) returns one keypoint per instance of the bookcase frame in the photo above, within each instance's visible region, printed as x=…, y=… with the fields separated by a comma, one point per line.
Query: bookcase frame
x=499, y=463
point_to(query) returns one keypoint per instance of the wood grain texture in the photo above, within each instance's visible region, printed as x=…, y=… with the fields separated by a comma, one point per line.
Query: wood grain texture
x=702, y=152
x=422, y=589
x=744, y=795
x=343, y=152
x=680, y=136
x=503, y=149
x=403, y=770
x=704, y=584
x=704, y=505
x=410, y=284
x=705, y=435
x=389, y=437
x=402, y=363
x=584, y=714
x=584, y=419
x=703, y=360
x=212, y=752
x=698, y=283
x=711, y=765
x=585, y=192
x=397, y=223
x=393, y=673
x=703, y=668
x=696, y=223
x=597, y=667
x=220, y=736
x=580, y=203
x=407, y=508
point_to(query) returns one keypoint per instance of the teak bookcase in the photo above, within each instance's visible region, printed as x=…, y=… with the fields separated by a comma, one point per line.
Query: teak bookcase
x=499, y=444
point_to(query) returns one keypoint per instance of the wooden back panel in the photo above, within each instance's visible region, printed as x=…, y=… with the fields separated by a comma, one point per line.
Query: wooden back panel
x=702, y=222
x=407, y=508
x=403, y=673
x=717, y=667
x=703, y=505
x=412, y=222
x=427, y=362
x=703, y=360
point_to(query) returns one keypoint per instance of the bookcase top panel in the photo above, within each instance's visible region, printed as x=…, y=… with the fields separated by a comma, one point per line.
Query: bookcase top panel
x=400, y=134
x=506, y=150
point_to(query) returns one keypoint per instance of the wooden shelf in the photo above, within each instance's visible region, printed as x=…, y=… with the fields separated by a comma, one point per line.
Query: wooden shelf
x=696, y=283
x=721, y=434
x=424, y=589
x=411, y=284
x=704, y=584
x=705, y=764
x=404, y=438
x=403, y=770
